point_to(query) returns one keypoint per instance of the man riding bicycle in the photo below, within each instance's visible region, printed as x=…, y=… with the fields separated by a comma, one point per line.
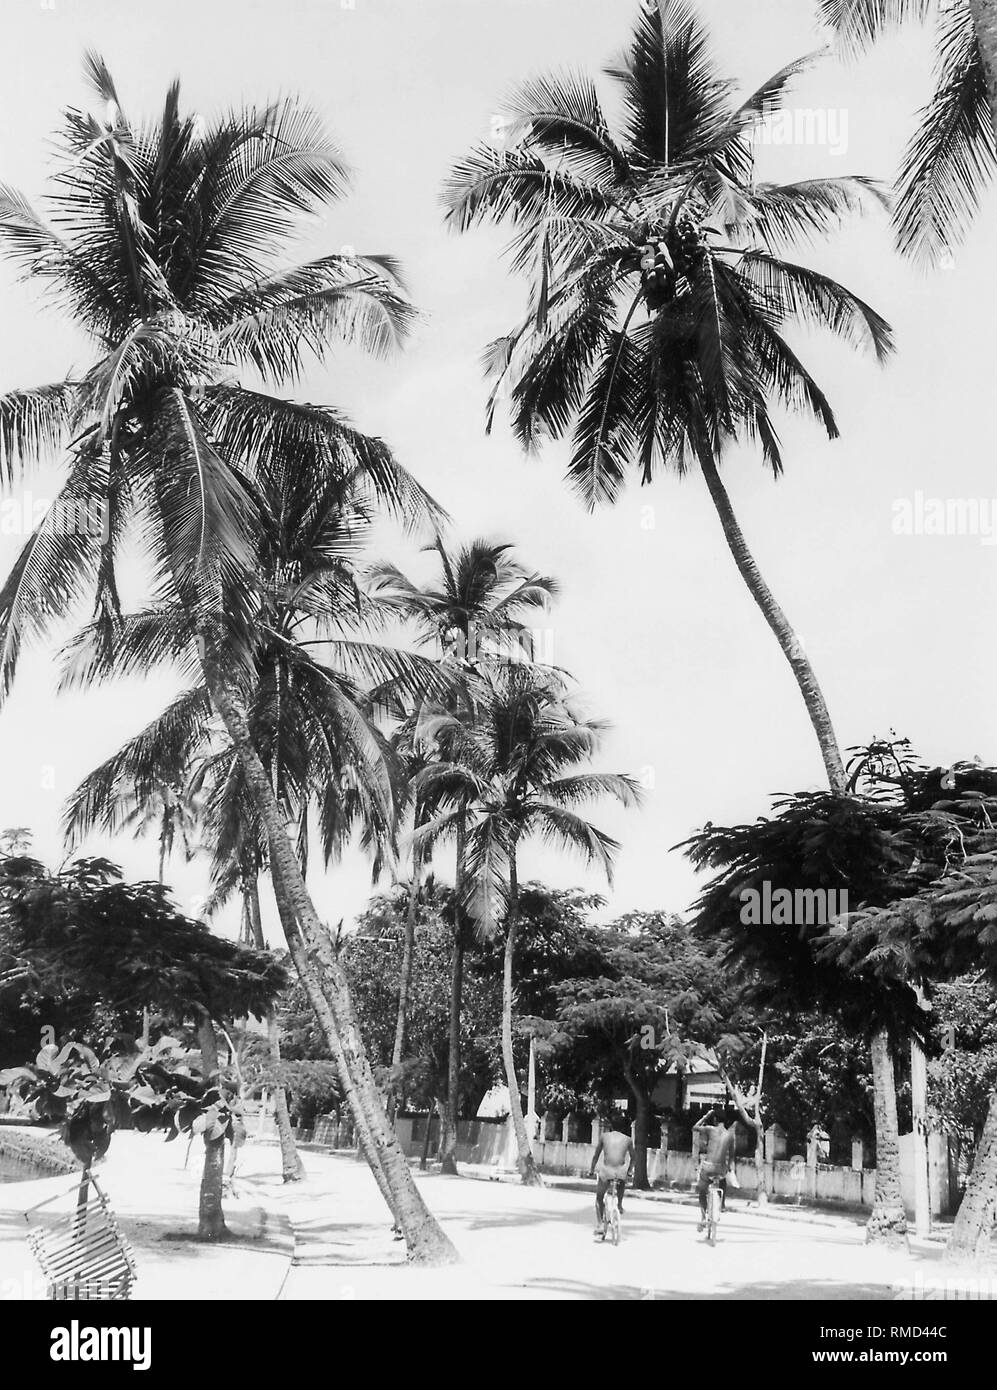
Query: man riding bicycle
x=718, y=1160
x=614, y=1155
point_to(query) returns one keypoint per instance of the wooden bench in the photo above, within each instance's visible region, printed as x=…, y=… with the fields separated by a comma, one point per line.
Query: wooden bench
x=87, y=1258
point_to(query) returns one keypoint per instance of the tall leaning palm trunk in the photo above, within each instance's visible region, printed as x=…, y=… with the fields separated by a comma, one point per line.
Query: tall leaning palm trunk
x=800, y=665
x=328, y=991
x=528, y=1170
x=659, y=293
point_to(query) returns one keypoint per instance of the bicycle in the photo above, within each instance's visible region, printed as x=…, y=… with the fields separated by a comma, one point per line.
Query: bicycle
x=611, y=1214
x=714, y=1204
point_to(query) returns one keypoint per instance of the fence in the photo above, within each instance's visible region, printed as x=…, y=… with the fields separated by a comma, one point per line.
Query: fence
x=491, y=1143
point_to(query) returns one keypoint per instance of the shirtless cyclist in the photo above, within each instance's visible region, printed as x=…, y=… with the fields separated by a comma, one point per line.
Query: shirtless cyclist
x=612, y=1161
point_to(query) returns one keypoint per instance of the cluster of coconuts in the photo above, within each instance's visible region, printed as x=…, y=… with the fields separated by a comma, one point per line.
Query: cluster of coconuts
x=665, y=264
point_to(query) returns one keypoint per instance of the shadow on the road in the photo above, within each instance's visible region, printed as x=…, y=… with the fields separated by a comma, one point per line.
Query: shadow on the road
x=798, y=1291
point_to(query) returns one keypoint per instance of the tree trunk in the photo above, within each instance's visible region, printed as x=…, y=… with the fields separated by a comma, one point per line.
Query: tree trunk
x=408, y=954
x=318, y=1001
x=974, y=1222
x=329, y=994
x=985, y=20
x=292, y=1168
x=528, y=1170
x=805, y=678
x=888, y=1222
x=211, y=1218
x=451, y=1110
x=642, y=1128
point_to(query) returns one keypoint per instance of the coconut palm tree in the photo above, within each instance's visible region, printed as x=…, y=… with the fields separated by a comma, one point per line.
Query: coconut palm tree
x=952, y=155
x=169, y=812
x=318, y=681
x=659, y=295
x=512, y=776
x=472, y=614
x=171, y=255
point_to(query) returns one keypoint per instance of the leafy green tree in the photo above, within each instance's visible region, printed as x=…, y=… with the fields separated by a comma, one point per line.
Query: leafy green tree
x=660, y=294
x=610, y=1024
x=898, y=847
x=817, y=1073
x=963, y=1077
x=945, y=930
x=374, y=957
x=820, y=842
x=82, y=935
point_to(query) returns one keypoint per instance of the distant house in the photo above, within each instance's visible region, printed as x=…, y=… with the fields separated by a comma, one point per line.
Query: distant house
x=696, y=1086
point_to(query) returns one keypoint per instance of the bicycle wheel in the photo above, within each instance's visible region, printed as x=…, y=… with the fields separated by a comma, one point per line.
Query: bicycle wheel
x=614, y=1223
x=714, y=1215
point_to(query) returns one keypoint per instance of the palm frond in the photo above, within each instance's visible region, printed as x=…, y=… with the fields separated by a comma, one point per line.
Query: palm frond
x=589, y=786
x=261, y=170
x=278, y=440
x=161, y=753
x=206, y=517
x=952, y=156
x=139, y=644
x=562, y=829
x=780, y=215
x=57, y=566
x=565, y=119
x=35, y=425
x=492, y=185
x=859, y=23
x=797, y=292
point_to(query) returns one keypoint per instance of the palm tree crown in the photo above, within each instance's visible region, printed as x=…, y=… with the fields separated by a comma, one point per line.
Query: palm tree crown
x=514, y=773
x=169, y=254
x=659, y=295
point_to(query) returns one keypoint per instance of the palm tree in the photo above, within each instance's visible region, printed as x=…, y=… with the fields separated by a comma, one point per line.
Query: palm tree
x=952, y=155
x=317, y=683
x=512, y=776
x=472, y=613
x=168, y=811
x=171, y=257
x=659, y=295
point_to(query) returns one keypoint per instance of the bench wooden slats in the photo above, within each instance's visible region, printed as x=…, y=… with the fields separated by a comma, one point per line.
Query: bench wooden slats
x=88, y=1258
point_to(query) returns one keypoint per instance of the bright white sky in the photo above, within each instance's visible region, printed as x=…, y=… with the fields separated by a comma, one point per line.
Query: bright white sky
x=654, y=620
